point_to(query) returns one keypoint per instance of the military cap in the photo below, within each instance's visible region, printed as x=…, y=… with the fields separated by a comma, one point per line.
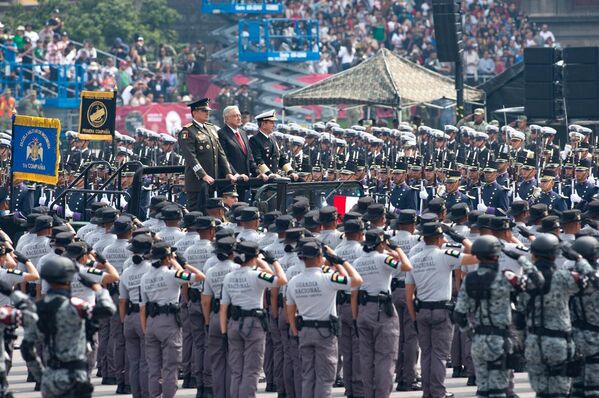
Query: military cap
x=282, y=223
x=592, y=209
x=270, y=115
x=427, y=218
x=42, y=222
x=63, y=238
x=248, y=248
x=548, y=174
x=201, y=104
x=517, y=135
x=436, y=205
x=352, y=215
x=142, y=231
x=215, y=203
x=168, y=139
x=431, y=229
x=458, y=211
x=481, y=136
x=248, y=214
x=483, y=221
x=58, y=229
x=374, y=212
x=224, y=232
x=518, y=207
x=171, y=212
x=58, y=270
x=537, y=212
x=570, y=216
x=549, y=224
x=318, y=126
x=327, y=214
x=490, y=167
x=300, y=208
x=450, y=128
x=140, y=244
x=160, y=250
x=250, y=127
x=270, y=218
x=374, y=237
x=225, y=245
x=587, y=247
x=231, y=193
x=491, y=129
x=121, y=225
x=202, y=223
x=473, y=218
x=156, y=200
x=548, y=130
x=479, y=111
x=407, y=216
x=584, y=164
x=292, y=235
x=352, y=226
x=189, y=219
x=310, y=250
x=77, y=249
x=500, y=224
x=311, y=219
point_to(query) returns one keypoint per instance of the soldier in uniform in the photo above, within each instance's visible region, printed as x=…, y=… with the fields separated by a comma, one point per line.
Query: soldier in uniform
x=475, y=121
x=378, y=322
x=431, y=277
x=402, y=195
x=528, y=172
x=548, y=196
x=159, y=313
x=267, y=154
x=452, y=194
x=245, y=330
x=311, y=295
x=205, y=159
x=129, y=303
x=494, y=196
x=169, y=157
x=62, y=323
x=549, y=346
x=329, y=235
x=584, y=190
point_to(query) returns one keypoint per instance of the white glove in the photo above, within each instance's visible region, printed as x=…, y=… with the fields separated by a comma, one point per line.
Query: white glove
x=536, y=192
x=440, y=190
x=68, y=213
x=42, y=200
x=104, y=199
x=423, y=194
x=518, y=198
x=575, y=198
x=481, y=207
x=592, y=180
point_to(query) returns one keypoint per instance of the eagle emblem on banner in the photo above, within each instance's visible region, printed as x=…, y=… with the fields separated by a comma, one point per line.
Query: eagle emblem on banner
x=35, y=151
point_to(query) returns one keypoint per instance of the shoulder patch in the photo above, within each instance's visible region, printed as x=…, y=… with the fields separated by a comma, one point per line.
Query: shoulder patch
x=265, y=276
x=338, y=278
x=454, y=245
x=453, y=253
x=522, y=248
x=183, y=275
x=392, y=261
x=14, y=271
x=325, y=269
x=95, y=271
x=184, y=134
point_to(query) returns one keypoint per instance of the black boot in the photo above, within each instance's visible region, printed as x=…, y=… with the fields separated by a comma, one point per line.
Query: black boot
x=109, y=381
x=457, y=372
x=339, y=382
x=30, y=377
x=270, y=387
x=208, y=392
x=200, y=393
x=186, y=381
x=471, y=381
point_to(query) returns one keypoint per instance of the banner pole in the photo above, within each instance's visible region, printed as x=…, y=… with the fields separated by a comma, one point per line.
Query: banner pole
x=12, y=156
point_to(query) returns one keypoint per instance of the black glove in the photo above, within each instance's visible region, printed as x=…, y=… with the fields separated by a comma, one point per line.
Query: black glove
x=392, y=245
x=569, y=252
x=452, y=233
x=511, y=253
x=100, y=258
x=268, y=257
x=225, y=342
x=524, y=231
x=85, y=281
x=333, y=258
x=180, y=259
x=20, y=257
x=5, y=288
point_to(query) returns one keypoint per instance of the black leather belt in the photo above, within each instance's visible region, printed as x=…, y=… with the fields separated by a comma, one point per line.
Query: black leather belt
x=491, y=330
x=540, y=331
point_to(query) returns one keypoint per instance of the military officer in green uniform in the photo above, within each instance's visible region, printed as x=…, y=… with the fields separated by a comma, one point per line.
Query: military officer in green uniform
x=475, y=121
x=205, y=159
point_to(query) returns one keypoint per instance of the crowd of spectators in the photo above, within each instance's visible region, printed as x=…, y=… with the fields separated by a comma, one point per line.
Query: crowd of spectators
x=495, y=33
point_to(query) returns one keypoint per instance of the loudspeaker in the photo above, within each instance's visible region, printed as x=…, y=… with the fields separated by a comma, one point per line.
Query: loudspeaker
x=581, y=55
x=581, y=90
x=539, y=73
x=581, y=73
x=540, y=108
x=540, y=55
x=446, y=7
x=448, y=29
x=539, y=91
x=587, y=108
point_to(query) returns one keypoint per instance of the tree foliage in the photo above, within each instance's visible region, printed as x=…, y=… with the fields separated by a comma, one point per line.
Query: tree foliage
x=102, y=21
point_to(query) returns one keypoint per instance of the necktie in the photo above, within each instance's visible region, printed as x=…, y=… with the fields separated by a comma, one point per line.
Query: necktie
x=240, y=141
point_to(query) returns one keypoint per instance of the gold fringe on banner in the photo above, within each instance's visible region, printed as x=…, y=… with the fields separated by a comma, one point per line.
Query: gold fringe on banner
x=42, y=122
x=94, y=137
x=97, y=94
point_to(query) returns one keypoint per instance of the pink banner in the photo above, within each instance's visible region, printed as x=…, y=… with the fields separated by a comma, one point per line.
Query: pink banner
x=200, y=86
x=161, y=118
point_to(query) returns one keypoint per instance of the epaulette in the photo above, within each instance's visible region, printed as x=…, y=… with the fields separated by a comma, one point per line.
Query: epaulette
x=522, y=248
x=188, y=125
x=454, y=245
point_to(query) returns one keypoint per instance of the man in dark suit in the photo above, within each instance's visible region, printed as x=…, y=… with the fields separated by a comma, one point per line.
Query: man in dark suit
x=236, y=145
x=267, y=154
x=204, y=157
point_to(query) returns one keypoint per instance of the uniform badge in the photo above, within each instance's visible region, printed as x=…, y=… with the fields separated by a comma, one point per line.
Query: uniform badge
x=14, y=271
x=183, y=275
x=94, y=271
x=392, y=262
x=265, y=276
x=456, y=245
x=325, y=269
x=338, y=278
x=523, y=248
x=453, y=253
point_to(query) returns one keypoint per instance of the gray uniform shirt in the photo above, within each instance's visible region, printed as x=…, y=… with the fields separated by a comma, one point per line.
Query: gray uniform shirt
x=431, y=272
x=313, y=292
x=87, y=229
x=38, y=247
x=250, y=235
x=170, y=235
x=163, y=285
x=117, y=253
x=376, y=270
x=245, y=286
x=268, y=238
x=197, y=255
x=130, y=286
x=277, y=249
x=83, y=292
x=104, y=242
x=350, y=250
x=188, y=240
x=24, y=240
x=216, y=276
x=10, y=277
x=330, y=237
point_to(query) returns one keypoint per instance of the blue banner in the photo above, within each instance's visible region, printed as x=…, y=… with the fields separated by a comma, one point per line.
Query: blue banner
x=35, y=149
